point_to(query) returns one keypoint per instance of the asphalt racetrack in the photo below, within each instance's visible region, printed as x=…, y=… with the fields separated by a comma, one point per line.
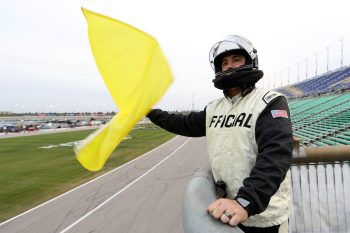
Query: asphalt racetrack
x=144, y=195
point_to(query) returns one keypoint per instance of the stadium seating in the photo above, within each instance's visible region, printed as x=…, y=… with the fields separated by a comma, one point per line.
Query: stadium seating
x=324, y=125
x=322, y=120
x=335, y=81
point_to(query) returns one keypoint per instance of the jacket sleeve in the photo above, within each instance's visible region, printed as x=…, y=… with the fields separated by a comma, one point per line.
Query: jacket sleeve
x=274, y=138
x=191, y=125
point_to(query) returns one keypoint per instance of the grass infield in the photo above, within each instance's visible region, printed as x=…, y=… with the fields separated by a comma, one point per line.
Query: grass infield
x=30, y=174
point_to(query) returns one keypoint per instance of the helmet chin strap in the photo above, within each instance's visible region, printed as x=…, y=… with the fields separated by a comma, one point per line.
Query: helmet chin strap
x=236, y=78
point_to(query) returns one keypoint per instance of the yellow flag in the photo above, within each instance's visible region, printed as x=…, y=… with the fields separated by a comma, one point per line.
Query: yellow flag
x=136, y=74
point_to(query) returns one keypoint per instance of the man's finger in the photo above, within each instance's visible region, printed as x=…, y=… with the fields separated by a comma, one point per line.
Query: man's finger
x=235, y=220
x=213, y=206
x=224, y=218
x=218, y=212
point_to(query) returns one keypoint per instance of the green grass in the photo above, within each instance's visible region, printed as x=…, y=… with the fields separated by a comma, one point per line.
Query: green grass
x=30, y=175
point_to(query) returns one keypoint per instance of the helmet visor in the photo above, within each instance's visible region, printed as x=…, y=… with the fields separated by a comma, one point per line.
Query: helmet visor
x=230, y=43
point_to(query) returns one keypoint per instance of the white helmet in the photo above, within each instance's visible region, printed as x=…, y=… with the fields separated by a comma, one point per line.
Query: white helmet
x=236, y=44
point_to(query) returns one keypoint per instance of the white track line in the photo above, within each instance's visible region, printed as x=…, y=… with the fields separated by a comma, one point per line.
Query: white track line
x=123, y=189
x=97, y=178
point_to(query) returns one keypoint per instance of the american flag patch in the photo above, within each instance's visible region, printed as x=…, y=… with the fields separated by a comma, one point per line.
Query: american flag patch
x=279, y=113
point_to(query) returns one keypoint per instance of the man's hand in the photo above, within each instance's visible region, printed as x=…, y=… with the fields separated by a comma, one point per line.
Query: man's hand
x=228, y=211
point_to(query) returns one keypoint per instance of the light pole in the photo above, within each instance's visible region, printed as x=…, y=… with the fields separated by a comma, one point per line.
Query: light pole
x=341, y=52
x=281, y=78
x=192, y=102
x=288, y=75
x=298, y=73
x=327, y=48
x=316, y=63
x=306, y=67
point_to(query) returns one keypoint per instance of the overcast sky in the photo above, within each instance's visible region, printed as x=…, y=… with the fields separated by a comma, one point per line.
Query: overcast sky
x=46, y=63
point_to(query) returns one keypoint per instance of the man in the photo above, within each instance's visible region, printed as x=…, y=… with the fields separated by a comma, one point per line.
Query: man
x=249, y=138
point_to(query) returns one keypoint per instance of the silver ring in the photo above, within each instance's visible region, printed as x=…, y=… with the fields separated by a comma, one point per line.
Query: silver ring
x=228, y=214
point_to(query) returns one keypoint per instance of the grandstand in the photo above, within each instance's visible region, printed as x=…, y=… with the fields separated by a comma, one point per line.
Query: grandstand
x=336, y=81
x=320, y=109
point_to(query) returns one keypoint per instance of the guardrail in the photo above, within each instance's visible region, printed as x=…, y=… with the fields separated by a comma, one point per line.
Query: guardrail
x=322, y=154
x=320, y=189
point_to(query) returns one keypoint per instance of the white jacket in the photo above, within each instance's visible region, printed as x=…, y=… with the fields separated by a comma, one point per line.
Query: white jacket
x=232, y=148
